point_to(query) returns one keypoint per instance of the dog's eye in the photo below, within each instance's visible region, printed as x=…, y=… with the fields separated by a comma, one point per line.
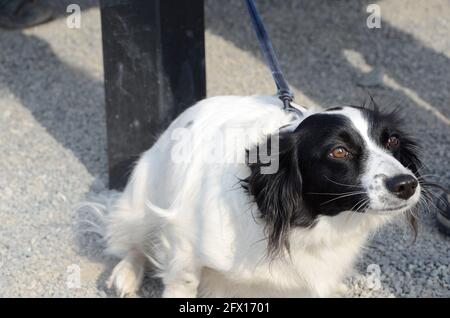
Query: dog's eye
x=392, y=143
x=339, y=153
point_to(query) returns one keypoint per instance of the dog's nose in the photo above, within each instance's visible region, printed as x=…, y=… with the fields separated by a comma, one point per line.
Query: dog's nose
x=403, y=185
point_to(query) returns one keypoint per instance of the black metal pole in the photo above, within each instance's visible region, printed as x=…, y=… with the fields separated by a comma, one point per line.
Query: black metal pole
x=154, y=66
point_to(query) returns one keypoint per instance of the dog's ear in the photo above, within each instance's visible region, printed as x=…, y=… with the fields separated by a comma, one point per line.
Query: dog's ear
x=277, y=192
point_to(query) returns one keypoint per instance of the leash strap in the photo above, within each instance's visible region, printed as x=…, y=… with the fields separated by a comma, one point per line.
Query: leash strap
x=284, y=92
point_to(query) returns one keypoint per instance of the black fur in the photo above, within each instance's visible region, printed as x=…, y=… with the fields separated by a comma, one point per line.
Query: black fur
x=308, y=181
x=279, y=195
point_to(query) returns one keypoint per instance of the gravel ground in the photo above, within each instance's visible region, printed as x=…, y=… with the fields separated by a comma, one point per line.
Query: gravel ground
x=53, y=143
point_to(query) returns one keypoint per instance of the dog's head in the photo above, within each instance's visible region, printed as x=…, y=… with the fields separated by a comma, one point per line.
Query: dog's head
x=344, y=159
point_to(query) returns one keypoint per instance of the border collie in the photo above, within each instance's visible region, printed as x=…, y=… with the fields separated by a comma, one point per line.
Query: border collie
x=239, y=199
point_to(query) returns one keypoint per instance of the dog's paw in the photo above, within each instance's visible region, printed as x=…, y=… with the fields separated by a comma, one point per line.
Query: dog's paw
x=179, y=292
x=341, y=291
x=127, y=276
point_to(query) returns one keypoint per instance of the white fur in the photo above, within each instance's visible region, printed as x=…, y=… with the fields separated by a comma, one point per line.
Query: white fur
x=195, y=223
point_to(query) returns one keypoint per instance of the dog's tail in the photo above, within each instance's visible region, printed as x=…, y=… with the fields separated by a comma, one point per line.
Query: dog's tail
x=92, y=214
x=118, y=232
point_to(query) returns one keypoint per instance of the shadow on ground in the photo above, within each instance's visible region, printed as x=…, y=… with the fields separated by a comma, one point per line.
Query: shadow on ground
x=312, y=36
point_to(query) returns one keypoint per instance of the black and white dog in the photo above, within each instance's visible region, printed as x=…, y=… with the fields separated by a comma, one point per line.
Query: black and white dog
x=217, y=220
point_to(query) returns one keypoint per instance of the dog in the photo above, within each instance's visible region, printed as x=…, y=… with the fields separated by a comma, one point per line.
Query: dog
x=283, y=213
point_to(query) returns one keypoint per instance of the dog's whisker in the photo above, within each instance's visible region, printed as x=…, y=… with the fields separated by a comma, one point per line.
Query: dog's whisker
x=422, y=177
x=430, y=201
x=423, y=202
x=343, y=184
x=362, y=205
x=434, y=185
x=343, y=196
x=327, y=193
x=362, y=202
x=355, y=212
x=431, y=196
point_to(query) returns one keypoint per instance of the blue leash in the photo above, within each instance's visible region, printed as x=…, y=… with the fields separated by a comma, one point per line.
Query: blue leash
x=283, y=91
x=287, y=97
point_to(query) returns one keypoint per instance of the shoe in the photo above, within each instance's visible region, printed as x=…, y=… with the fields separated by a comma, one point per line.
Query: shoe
x=443, y=214
x=19, y=14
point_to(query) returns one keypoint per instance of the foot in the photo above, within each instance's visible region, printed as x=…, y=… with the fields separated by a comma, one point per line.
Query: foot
x=341, y=291
x=127, y=276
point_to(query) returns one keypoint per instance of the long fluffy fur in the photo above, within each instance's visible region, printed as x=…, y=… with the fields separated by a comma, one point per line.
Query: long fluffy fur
x=207, y=227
